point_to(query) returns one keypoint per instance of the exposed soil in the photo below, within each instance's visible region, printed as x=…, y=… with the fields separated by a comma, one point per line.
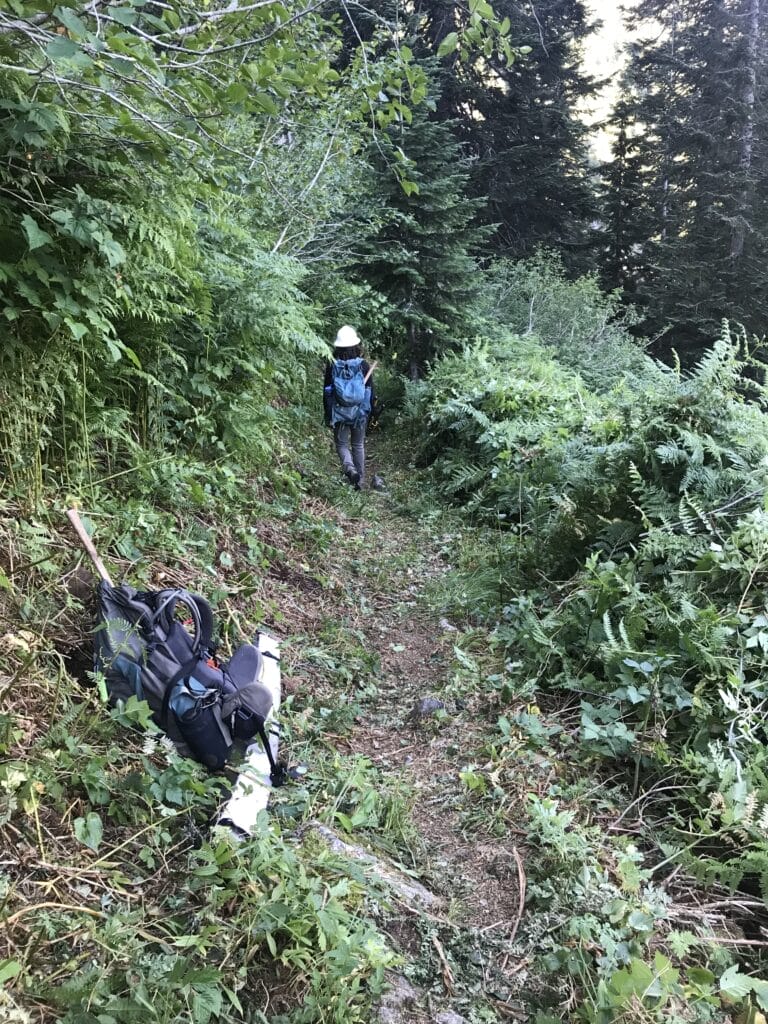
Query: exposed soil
x=478, y=876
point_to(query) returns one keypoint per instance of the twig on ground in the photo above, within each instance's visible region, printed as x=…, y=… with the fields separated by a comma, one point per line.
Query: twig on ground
x=448, y=979
x=522, y=882
x=420, y=912
x=49, y=905
x=724, y=940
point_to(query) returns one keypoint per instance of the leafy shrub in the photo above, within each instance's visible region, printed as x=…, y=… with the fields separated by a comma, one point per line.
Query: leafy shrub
x=649, y=501
x=583, y=327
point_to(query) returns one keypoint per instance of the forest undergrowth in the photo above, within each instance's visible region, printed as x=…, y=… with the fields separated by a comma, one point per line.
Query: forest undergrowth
x=532, y=674
x=121, y=904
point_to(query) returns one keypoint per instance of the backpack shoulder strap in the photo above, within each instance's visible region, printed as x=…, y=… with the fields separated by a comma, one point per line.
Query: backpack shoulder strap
x=202, y=615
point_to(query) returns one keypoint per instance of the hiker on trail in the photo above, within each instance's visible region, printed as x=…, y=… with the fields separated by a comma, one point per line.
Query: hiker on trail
x=347, y=402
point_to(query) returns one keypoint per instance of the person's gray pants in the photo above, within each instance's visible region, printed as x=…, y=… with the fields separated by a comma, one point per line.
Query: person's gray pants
x=346, y=437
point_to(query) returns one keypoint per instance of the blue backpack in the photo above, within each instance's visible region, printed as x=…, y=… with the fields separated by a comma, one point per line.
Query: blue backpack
x=350, y=394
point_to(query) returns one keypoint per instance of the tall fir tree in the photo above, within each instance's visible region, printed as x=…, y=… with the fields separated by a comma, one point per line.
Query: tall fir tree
x=423, y=258
x=522, y=123
x=695, y=95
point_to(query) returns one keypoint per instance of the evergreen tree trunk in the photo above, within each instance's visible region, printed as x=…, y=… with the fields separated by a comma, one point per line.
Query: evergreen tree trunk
x=413, y=356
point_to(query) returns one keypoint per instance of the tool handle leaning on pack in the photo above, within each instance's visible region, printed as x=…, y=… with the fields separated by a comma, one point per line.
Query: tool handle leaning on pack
x=371, y=368
x=85, y=540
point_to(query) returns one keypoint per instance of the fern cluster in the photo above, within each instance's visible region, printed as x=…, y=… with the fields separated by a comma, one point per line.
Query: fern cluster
x=628, y=556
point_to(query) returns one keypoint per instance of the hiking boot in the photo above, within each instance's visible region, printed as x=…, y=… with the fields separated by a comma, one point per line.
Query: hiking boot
x=354, y=478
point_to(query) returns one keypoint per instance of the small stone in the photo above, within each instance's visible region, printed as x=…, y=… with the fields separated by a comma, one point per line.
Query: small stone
x=447, y=626
x=502, y=867
x=425, y=707
x=449, y=1017
x=399, y=998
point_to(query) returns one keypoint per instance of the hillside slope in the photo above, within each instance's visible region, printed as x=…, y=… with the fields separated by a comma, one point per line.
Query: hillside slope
x=121, y=904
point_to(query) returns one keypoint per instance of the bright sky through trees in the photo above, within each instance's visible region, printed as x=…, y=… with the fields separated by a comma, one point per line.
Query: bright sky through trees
x=604, y=57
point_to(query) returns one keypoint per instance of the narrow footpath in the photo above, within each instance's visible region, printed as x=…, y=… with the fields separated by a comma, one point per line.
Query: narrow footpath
x=376, y=641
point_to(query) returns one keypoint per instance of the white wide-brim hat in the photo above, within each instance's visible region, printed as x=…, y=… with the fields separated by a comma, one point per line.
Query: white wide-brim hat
x=346, y=337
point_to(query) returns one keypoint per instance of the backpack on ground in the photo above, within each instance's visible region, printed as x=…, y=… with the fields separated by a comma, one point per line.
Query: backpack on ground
x=143, y=649
x=350, y=393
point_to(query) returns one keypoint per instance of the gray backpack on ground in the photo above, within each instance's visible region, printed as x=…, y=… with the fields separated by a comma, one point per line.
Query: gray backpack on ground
x=144, y=649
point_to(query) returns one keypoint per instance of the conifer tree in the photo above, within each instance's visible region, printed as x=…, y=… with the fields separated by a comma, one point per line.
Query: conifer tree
x=625, y=215
x=423, y=256
x=517, y=121
x=520, y=123
x=696, y=89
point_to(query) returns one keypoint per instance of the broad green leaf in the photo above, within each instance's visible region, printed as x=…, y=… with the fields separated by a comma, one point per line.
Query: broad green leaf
x=36, y=237
x=265, y=101
x=70, y=21
x=114, y=350
x=206, y=1003
x=700, y=976
x=640, y=921
x=760, y=988
x=735, y=985
x=131, y=355
x=448, y=45
x=114, y=252
x=121, y=66
x=8, y=969
x=62, y=48
x=76, y=329
x=124, y=15
x=236, y=93
x=89, y=831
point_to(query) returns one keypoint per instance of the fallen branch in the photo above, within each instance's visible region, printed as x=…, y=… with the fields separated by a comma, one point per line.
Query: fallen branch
x=409, y=890
x=726, y=941
x=49, y=905
x=85, y=540
x=522, y=883
x=448, y=979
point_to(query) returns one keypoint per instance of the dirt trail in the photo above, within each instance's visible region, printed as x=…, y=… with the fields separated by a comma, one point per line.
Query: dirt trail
x=390, y=563
x=465, y=867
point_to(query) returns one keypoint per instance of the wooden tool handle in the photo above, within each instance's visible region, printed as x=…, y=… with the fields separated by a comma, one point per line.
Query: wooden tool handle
x=87, y=543
x=370, y=371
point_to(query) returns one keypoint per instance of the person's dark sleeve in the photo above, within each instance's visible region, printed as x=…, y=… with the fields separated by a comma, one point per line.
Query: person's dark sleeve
x=328, y=395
